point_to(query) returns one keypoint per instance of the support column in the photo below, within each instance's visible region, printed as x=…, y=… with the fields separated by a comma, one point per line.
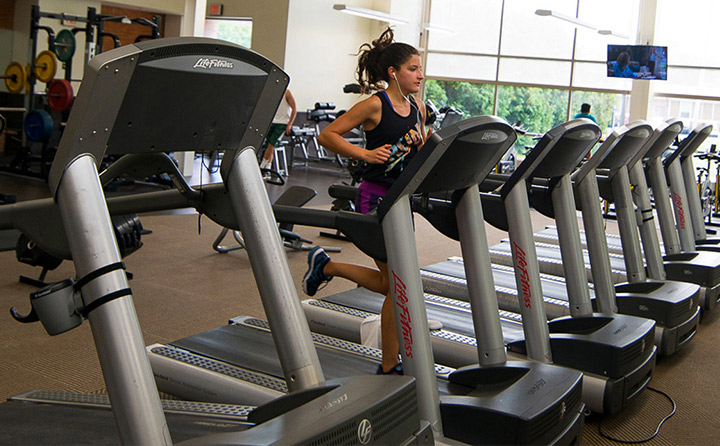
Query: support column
x=642, y=91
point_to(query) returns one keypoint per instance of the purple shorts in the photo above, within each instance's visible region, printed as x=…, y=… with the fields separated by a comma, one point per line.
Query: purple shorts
x=369, y=196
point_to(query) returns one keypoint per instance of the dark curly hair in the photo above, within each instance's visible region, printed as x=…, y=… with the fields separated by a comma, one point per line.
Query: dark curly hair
x=376, y=57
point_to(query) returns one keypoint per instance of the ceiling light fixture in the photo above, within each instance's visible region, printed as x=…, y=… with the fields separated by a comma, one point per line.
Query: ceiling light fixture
x=370, y=14
x=431, y=27
x=609, y=32
x=567, y=18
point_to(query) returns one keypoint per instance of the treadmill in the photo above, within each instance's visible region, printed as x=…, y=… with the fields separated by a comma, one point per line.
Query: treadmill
x=134, y=99
x=662, y=154
x=694, y=256
x=673, y=305
x=615, y=352
x=484, y=404
x=684, y=156
x=701, y=268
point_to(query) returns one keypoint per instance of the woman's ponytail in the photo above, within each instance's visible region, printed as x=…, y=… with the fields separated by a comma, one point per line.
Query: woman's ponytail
x=375, y=58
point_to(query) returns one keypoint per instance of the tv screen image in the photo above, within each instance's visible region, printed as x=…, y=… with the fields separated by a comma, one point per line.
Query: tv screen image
x=637, y=61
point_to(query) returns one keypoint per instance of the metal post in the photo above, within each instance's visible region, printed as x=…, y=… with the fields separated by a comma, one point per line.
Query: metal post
x=658, y=183
x=597, y=243
x=648, y=230
x=693, y=201
x=480, y=283
x=409, y=304
x=118, y=339
x=627, y=225
x=679, y=200
x=271, y=270
x=571, y=248
x=527, y=274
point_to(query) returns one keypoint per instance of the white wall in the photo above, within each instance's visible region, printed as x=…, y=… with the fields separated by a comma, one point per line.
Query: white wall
x=164, y=6
x=322, y=45
x=270, y=20
x=321, y=51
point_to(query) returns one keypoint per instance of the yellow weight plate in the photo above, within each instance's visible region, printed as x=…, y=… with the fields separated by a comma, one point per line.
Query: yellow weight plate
x=45, y=66
x=15, y=77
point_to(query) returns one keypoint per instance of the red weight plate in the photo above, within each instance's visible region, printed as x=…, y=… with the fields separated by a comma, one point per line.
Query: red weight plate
x=60, y=95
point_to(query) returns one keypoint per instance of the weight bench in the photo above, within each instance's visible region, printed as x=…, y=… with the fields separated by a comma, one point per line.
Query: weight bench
x=295, y=196
x=302, y=137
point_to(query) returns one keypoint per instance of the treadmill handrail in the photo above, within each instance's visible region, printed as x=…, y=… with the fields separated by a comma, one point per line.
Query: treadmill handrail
x=427, y=171
x=576, y=129
x=662, y=138
x=689, y=144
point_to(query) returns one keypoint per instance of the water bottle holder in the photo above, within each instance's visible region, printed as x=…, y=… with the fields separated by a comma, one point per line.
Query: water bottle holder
x=61, y=306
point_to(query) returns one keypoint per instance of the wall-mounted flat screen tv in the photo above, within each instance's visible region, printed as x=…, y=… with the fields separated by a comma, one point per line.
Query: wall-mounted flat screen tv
x=637, y=61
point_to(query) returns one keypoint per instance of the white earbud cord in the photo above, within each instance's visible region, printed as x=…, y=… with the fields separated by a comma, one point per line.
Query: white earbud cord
x=417, y=109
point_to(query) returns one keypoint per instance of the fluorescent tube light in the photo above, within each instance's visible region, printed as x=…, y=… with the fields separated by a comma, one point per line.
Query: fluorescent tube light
x=431, y=27
x=609, y=32
x=370, y=14
x=567, y=18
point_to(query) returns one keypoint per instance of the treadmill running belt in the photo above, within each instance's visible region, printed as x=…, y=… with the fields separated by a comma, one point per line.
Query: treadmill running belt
x=62, y=424
x=456, y=320
x=502, y=277
x=256, y=351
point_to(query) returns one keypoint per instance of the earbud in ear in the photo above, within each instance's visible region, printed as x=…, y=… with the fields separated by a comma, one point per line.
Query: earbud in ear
x=393, y=76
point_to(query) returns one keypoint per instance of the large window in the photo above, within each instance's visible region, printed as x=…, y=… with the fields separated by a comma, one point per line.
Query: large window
x=692, y=91
x=535, y=110
x=543, y=67
x=504, y=58
x=469, y=98
x=232, y=30
x=609, y=109
x=692, y=112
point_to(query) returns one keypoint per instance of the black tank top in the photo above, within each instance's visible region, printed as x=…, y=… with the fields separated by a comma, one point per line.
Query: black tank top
x=404, y=135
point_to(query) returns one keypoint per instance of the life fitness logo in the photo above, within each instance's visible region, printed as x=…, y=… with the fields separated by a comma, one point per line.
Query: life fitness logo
x=402, y=300
x=364, y=431
x=680, y=210
x=212, y=63
x=520, y=260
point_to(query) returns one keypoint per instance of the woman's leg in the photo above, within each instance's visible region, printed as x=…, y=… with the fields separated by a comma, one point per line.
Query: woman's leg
x=375, y=280
x=390, y=343
x=366, y=277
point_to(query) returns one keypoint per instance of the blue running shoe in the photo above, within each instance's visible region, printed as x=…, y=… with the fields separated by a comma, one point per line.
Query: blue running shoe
x=314, y=277
x=397, y=370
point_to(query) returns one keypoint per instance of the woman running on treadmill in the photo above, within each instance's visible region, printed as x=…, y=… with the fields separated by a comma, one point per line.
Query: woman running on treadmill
x=394, y=127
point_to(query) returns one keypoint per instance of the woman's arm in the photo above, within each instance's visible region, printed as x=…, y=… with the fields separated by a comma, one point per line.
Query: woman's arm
x=366, y=113
x=423, y=116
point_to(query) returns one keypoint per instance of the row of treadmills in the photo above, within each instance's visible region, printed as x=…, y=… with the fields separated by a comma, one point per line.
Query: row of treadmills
x=536, y=331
